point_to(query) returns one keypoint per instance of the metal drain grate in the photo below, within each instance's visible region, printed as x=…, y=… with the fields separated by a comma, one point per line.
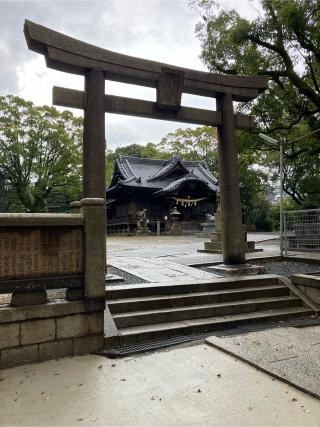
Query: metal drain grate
x=143, y=347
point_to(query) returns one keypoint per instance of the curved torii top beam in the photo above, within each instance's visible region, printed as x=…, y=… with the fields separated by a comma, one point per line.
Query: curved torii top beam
x=67, y=54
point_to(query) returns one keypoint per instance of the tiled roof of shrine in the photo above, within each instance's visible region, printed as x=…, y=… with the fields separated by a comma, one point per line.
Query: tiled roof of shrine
x=161, y=176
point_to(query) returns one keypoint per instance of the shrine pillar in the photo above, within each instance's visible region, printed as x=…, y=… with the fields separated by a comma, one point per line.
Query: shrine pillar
x=230, y=204
x=94, y=183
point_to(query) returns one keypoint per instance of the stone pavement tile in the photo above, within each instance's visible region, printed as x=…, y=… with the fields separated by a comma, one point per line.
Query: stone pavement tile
x=158, y=270
x=292, y=354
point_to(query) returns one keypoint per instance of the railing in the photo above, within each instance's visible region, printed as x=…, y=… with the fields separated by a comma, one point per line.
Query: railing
x=301, y=230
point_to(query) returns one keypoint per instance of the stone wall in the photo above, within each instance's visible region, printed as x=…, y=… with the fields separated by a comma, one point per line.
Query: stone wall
x=309, y=284
x=41, y=252
x=56, y=329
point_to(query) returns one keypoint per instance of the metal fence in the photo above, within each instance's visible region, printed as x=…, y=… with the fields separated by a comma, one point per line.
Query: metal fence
x=301, y=230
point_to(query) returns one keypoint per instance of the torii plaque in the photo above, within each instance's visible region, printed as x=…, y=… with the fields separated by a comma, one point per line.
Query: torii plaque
x=67, y=54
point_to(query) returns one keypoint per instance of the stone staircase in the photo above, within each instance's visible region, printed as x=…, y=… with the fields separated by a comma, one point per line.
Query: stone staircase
x=150, y=312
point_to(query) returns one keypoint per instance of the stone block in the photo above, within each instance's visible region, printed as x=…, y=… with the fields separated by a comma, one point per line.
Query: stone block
x=96, y=322
x=90, y=344
x=75, y=294
x=22, y=299
x=213, y=246
x=73, y=326
x=9, y=335
x=19, y=356
x=216, y=237
x=237, y=269
x=55, y=349
x=313, y=294
x=52, y=309
x=37, y=331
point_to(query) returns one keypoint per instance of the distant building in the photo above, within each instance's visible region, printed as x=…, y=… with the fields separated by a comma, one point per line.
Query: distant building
x=159, y=186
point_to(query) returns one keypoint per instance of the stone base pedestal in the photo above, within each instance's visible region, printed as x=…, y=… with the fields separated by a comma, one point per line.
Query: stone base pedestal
x=22, y=299
x=75, y=294
x=237, y=269
x=175, y=230
x=143, y=231
x=207, y=229
x=216, y=247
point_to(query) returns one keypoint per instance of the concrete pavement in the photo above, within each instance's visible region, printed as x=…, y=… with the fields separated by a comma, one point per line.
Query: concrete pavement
x=197, y=385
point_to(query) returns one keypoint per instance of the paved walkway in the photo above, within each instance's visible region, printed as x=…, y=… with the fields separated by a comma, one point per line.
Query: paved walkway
x=289, y=353
x=159, y=270
x=161, y=259
x=190, y=386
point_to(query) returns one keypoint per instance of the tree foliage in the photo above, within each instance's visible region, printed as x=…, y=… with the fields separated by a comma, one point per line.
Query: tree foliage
x=193, y=144
x=40, y=153
x=283, y=43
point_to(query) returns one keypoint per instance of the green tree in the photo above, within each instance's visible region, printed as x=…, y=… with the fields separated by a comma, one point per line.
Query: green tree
x=193, y=144
x=40, y=153
x=284, y=43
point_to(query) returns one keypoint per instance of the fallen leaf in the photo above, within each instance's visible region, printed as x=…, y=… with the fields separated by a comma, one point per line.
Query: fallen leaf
x=306, y=411
x=199, y=390
x=123, y=379
x=100, y=367
x=80, y=419
x=153, y=398
x=113, y=365
x=218, y=375
x=250, y=408
x=57, y=373
x=79, y=385
x=294, y=399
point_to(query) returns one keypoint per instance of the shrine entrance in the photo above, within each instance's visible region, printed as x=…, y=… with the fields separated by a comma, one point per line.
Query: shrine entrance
x=66, y=54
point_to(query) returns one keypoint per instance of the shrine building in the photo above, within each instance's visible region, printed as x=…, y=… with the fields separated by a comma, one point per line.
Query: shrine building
x=159, y=186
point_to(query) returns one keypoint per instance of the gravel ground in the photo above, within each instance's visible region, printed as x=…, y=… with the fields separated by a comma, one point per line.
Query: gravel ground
x=282, y=268
x=288, y=268
x=129, y=279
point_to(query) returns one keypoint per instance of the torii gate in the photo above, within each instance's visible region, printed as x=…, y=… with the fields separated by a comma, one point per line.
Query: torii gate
x=67, y=54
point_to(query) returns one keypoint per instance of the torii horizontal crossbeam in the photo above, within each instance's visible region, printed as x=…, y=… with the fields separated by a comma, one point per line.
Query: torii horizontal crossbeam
x=147, y=109
x=74, y=56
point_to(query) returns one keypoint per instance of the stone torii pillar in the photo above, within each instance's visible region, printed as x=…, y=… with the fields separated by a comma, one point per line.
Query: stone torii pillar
x=94, y=135
x=232, y=228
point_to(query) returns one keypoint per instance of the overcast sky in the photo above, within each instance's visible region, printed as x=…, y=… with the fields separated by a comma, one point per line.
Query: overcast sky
x=162, y=30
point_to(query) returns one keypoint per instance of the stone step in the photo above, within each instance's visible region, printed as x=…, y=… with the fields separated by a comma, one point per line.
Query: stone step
x=196, y=298
x=164, y=315
x=170, y=329
x=148, y=289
